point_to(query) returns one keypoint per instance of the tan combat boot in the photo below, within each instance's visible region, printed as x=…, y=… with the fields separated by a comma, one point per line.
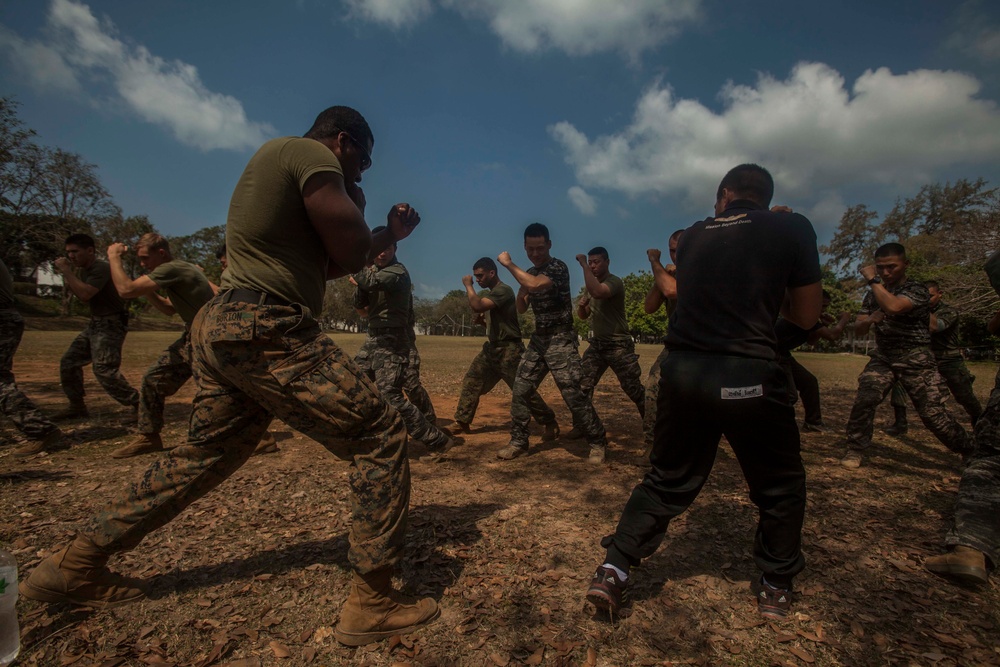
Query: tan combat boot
x=267, y=445
x=144, y=443
x=374, y=610
x=78, y=574
x=52, y=441
x=966, y=564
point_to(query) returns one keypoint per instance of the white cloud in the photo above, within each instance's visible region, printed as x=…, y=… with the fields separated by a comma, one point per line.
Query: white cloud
x=810, y=130
x=974, y=33
x=166, y=93
x=577, y=27
x=583, y=202
x=395, y=13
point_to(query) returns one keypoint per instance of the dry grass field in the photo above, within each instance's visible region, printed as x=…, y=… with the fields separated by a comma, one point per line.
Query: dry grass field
x=255, y=572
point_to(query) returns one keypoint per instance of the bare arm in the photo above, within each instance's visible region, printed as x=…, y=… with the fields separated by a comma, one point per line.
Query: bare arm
x=595, y=288
x=830, y=333
x=888, y=303
x=654, y=299
x=525, y=279
x=80, y=289
x=477, y=303
x=803, y=305
x=521, y=301
x=162, y=304
x=865, y=322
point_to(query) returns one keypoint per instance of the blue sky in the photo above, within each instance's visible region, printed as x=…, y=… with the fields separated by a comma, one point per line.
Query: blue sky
x=611, y=122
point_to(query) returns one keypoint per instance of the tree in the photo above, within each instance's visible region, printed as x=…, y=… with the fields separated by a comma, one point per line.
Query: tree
x=338, y=306
x=855, y=239
x=641, y=323
x=200, y=248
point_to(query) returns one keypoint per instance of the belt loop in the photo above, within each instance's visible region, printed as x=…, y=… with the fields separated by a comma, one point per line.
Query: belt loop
x=262, y=299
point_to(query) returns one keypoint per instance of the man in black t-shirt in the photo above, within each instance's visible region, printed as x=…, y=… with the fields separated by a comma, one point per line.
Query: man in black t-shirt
x=739, y=270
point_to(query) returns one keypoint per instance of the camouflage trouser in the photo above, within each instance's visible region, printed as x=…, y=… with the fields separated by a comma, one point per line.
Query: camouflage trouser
x=557, y=354
x=955, y=378
x=652, y=390
x=101, y=343
x=164, y=378
x=492, y=364
x=384, y=358
x=916, y=371
x=621, y=358
x=252, y=362
x=415, y=391
x=978, y=505
x=13, y=403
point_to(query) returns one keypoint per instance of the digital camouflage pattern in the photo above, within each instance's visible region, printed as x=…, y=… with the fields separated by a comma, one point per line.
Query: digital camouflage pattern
x=618, y=355
x=14, y=405
x=414, y=389
x=556, y=354
x=164, y=378
x=493, y=364
x=101, y=344
x=916, y=371
x=252, y=362
x=944, y=341
x=897, y=334
x=553, y=307
x=978, y=504
x=652, y=392
x=956, y=378
x=384, y=357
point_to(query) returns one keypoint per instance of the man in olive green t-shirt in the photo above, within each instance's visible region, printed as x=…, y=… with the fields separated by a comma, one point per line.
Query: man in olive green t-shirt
x=501, y=353
x=611, y=344
x=101, y=342
x=296, y=219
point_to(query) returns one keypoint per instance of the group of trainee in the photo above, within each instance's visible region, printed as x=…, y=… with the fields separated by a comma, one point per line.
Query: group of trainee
x=257, y=352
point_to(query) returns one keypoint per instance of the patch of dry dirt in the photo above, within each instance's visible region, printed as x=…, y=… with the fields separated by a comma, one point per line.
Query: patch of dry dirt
x=255, y=572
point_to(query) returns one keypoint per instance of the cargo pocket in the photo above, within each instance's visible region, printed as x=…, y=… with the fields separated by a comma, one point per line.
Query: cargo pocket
x=332, y=394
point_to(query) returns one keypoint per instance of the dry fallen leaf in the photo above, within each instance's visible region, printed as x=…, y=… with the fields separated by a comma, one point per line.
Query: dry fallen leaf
x=279, y=650
x=802, y=655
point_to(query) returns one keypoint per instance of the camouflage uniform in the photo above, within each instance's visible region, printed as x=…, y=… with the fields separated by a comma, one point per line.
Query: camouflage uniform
x=258, y=351
x=498, y=360
x=903, y=355
x=553, y=348
x=415, y=391
x=251, y=362
x=100, y=343
x=978, y=504
x=652, y=390
x=385, y=353
x=13, y=403
x=188, y=290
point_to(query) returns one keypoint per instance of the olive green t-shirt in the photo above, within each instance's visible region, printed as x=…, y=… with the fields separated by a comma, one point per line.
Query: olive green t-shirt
x=504, y=326
x=386, y=293
x=270, y=243
x=185, y=284
x=6, y=287
x=106, y=301
x=607, y=316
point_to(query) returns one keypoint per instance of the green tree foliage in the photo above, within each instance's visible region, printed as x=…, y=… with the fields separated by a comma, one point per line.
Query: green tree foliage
x=200, y=248
x=640, y=323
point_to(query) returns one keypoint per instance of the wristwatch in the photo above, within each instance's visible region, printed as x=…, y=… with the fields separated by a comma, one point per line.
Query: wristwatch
x=875, y=281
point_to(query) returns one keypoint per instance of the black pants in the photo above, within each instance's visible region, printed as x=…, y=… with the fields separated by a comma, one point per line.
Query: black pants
x=807, y=386
x=703, y=397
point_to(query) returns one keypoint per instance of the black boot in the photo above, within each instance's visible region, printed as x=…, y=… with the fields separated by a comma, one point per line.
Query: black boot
x=899, y=428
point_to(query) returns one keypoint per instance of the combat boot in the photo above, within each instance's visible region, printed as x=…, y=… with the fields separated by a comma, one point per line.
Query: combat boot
x=78, y=574
x=965, y=564
x=899, y=428
x=267, y=445
x=72, y=411
x=52, y=441
x=144, y=443
x=374, y=610
x=551, y=432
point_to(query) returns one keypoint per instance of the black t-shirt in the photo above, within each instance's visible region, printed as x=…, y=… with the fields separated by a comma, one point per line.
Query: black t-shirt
x=732, y=272
x=789, y=336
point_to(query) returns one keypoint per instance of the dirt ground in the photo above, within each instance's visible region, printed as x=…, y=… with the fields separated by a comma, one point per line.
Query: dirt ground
x=255, y=572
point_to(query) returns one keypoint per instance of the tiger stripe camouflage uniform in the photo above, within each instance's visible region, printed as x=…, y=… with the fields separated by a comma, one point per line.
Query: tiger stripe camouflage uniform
x=14, y=405
x=612, y=346
x=385, y=353
x=258, y=351
x=903, y=354
x=100, y=343
x=553, y=348
x=498, y=360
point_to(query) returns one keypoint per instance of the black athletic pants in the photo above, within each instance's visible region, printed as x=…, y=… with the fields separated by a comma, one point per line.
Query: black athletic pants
x=807, y=386
x=703, y=397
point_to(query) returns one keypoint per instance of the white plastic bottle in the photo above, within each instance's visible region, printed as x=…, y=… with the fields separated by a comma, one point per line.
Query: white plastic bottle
x=10, y=636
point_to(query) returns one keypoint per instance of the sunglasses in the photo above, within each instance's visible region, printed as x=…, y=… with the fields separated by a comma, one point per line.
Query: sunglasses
x=366, y=158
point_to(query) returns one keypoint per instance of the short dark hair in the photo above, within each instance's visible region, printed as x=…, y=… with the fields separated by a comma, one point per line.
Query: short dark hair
x=536, y=229
x=331, y=122
x=677, y=234
x=485, y=263
x=598, y=250
x=749, y=181
x=932, y=283
x=221, y=252
x=891, y=250
x=81, y=240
